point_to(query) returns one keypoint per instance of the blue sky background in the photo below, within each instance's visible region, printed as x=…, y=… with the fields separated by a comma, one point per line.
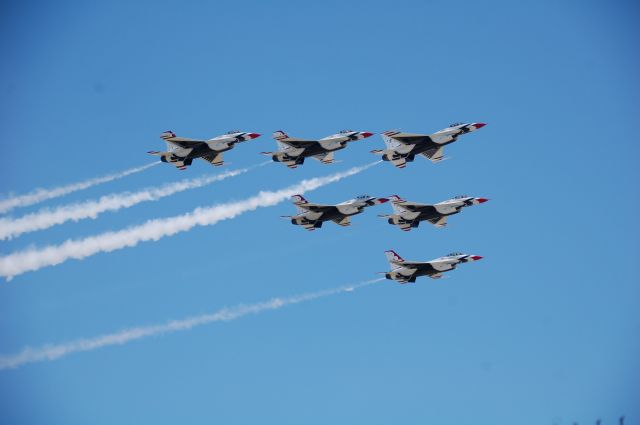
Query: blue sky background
x=544, y=330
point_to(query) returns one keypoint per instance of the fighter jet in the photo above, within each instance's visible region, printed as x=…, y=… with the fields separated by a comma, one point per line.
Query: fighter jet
x=403, y=147
x=311, y=216
x=182, y=151
x=407, y=271
x=408, y=215
x=292, y=151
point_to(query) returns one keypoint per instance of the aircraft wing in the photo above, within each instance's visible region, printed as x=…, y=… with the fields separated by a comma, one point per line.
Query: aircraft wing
x=406, y=138
x=184, y=142
x=414, y=264
x=434, y=154
x=298, y=143
x=320, y=208
x=213, y=158
x=413, y=206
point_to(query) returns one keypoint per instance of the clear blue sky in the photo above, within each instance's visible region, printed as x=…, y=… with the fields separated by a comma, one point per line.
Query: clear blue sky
x=544, y=330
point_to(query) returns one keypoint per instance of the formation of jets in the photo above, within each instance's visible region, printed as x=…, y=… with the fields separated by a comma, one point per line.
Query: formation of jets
x=292, y=151
x=401, y=148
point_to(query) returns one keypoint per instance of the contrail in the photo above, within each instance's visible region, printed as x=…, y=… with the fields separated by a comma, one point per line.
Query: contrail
x=45, y=218
x=36, y=258
x=53, y=352
x=40, y=195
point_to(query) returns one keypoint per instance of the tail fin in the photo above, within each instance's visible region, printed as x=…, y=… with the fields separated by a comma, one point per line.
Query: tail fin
x=167, y=136
x=393, y=258
x=299, y=200
x=396, y=203
x=280, y=135
x=389, y=141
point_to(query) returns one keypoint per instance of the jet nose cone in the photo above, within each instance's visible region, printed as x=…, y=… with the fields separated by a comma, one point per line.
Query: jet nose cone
x=254, y=135
x=481, y=200
x=366, y=134
x=479, y=125
x=476, y=257
x=383, y=200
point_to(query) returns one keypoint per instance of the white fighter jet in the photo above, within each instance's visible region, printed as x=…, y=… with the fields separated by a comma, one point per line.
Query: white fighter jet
x=408, y=215
x=311, y=216
x=292, y=151
x=182, y=151
x=403, y=147
x=407, y=271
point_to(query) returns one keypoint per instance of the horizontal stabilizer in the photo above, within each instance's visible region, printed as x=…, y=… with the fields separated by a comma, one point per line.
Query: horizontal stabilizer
x=435, y=155
x=213, y=158
x=439, y=222
x=345, y=221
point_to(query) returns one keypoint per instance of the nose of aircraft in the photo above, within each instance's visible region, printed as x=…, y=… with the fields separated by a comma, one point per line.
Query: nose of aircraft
x=366, y=134
x=254, y=135
x=481, y=200
x=476, y=257
x=479, y=125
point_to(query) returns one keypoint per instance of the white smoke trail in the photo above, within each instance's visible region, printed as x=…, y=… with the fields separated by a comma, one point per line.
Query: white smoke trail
x=45, y=218
x=53, y=352
x=40, y=195
x=36, y=258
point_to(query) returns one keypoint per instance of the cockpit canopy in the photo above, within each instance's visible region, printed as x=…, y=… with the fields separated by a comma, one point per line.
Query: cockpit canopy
x=233, y=131
x=455, y=124
x=345, y=131
x=461, y=196
x=363, y=197
x=455, y=254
